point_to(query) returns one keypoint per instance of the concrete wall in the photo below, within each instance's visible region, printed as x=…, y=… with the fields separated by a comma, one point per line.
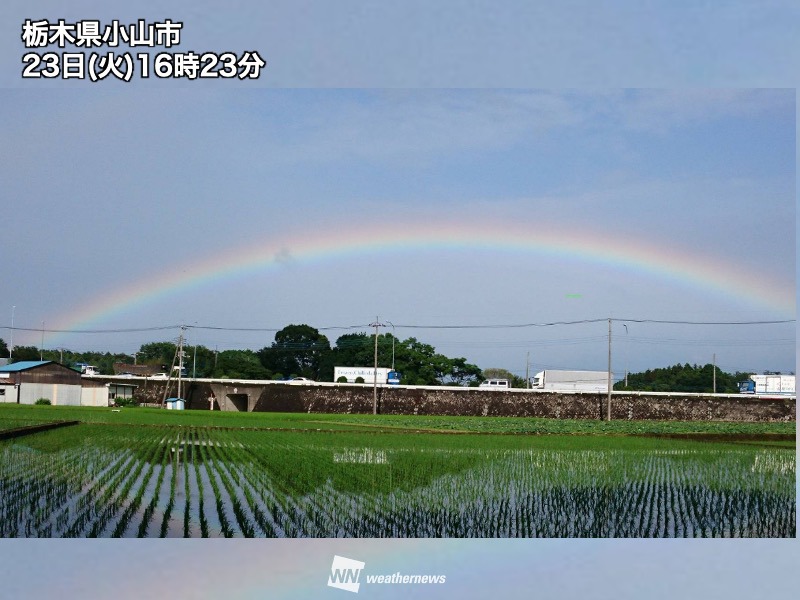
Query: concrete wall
x=343, y=398
x=9, y=394
x=94, y=396
x=59, y=394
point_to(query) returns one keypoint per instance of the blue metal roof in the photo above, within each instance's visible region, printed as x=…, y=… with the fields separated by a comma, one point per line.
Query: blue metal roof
x=23, y=365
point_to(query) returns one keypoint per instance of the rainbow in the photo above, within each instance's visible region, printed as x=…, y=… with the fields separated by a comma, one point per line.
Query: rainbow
x=629, y=253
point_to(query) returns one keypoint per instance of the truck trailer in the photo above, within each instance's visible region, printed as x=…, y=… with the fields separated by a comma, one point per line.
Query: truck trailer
x=772, y=385
x=367, y=374
x=571, y=381
x=87, y=369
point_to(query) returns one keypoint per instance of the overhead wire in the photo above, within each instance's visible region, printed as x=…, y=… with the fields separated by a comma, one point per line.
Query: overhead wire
x=399, y=326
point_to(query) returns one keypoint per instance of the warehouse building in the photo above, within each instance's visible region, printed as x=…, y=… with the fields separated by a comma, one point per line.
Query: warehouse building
x=26, y=381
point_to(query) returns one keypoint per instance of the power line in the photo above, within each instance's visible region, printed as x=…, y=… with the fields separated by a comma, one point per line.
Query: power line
x=404, y=326
x=506, y=326
x=522, y=343
x=705, y=322
x=269, y=329
x=586, y=321
x=129, y=330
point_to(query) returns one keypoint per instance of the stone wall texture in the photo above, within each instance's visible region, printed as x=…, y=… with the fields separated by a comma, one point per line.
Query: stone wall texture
x=474, y=402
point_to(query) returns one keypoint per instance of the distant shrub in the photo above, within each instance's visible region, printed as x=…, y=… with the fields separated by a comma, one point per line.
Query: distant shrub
x=43, y=402
x=359, y=380
x=342, y=379
x=126, y=402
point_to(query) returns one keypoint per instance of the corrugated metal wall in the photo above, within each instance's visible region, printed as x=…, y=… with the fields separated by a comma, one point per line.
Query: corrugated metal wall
x=51, y=373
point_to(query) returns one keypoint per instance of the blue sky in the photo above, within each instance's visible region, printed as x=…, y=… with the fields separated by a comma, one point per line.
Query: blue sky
x=122, y=186
x=472, y=43
x=69, y=155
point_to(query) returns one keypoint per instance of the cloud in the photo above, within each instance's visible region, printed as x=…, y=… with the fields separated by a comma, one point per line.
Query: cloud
x=399, y=127
x=661, y=110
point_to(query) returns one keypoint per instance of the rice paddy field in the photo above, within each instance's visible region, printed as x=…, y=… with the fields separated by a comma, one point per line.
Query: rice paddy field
x=154, y=473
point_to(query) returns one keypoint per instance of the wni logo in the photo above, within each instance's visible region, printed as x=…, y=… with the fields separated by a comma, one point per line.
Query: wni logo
x=345, y=573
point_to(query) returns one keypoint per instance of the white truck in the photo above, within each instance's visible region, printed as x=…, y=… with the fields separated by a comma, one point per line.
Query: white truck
x=571, y=381
x=367, y=374
x=495, y=384
x=771, y=385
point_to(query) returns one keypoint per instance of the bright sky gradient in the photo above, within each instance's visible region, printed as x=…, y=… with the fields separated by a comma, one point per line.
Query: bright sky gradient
x=110, y=188
x=260, y=208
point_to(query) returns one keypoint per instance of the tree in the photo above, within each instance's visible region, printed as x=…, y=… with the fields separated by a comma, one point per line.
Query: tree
x=463, y=373
x=352, y=350
x=418, y=363
x=3, y=349
x=25, y=353
x=683, y=378
x=157, y=353
x=104, y=361
x=199, y=361
x=240, y=364
x=298, y=350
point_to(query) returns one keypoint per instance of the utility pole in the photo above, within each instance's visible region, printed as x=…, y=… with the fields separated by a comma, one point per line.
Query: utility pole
x=41, y=348
x=180, y=359
x=11, y=346
x=608, y=401
x=169, y=374
x=375, y=372
x=527, y=370
x=714, y=366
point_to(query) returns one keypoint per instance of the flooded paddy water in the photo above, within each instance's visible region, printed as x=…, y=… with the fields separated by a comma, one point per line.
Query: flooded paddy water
x=129, y=481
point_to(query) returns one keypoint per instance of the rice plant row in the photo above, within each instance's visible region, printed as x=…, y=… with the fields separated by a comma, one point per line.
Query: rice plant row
x=107, y=481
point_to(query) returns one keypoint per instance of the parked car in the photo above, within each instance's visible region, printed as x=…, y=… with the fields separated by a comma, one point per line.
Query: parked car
x=159, y=376
x=301, y=380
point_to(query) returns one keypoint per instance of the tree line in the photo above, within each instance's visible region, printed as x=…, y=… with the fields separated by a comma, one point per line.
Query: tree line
x=684, y=378
x=302, y=351
x=297, y=351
